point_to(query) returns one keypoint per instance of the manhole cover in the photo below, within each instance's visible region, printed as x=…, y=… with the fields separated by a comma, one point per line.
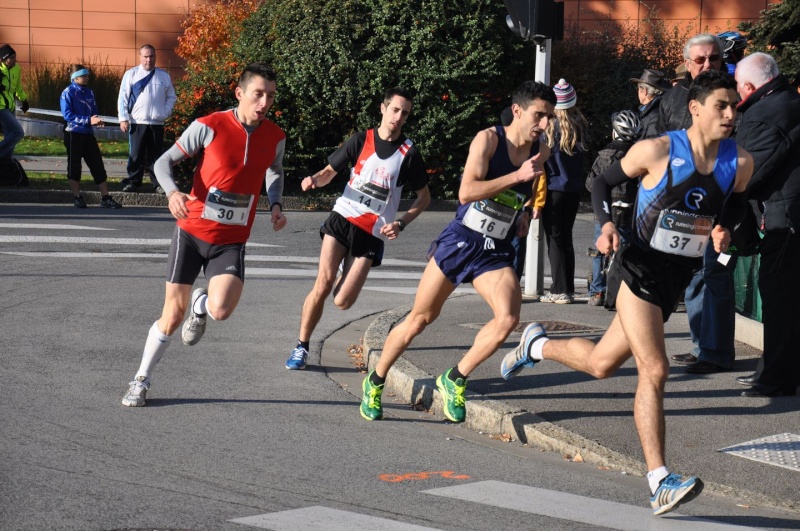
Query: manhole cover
x=552, y=327
x=556, y=327
x=780, y=450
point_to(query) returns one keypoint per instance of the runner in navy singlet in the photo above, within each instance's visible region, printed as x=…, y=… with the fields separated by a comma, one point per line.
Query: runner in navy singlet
x=693, y=188
x=500, y=175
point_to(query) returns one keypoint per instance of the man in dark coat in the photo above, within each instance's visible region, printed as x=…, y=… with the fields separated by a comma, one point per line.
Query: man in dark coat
x=701, y=53
x=651, y=85
x=770, y=130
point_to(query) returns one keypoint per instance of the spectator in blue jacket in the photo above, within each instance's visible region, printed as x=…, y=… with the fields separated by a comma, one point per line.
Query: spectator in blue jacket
x=80, y=112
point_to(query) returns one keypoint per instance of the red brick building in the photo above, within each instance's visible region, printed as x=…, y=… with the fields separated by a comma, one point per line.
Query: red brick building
x=110, y=31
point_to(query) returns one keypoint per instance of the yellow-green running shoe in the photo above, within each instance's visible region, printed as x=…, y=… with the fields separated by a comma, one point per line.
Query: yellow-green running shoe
x=371, y=400
x=452, y=396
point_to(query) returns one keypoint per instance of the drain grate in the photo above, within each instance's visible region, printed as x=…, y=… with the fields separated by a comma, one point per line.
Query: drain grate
x=780, y=450
x=552, y=327
x=561, y=327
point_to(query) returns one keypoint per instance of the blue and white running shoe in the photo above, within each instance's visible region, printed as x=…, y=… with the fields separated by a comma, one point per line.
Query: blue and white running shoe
x=518, y=359
x=674, y=491
x=297, y=360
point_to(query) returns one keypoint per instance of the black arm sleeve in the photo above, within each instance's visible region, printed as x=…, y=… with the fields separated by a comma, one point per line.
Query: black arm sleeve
x=601, y=191
x=734, y=210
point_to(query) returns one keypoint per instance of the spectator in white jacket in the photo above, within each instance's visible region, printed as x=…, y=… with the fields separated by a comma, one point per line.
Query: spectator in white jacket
x=146, y=98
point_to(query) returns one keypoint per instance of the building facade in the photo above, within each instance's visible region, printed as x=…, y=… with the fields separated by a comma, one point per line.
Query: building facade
x=111, y=31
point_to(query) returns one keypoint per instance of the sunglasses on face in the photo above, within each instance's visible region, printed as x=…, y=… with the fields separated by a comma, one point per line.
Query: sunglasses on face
x=701, y=60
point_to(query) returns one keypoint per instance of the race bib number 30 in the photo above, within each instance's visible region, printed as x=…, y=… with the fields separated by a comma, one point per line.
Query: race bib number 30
x=494, y=217
x=681, y=233
x=227, y=208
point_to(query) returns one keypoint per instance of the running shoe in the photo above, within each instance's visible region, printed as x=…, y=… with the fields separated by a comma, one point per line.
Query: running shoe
x=673, y=491
x=137, y=392
x=452, y=396
x=195, y=325
x=130, y=187
x=558, y=298
x=108, y=202
x=371, y=408
x=79, y=202
x=597, y=299
x=518, y=359
x=297, y=360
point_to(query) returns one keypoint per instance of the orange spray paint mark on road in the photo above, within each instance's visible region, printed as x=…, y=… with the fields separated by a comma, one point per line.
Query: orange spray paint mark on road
x=417, y=476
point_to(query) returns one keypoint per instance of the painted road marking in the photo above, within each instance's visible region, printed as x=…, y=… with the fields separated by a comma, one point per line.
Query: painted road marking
x=574, y=508
x=100, y=241
x=319, y=518
x=781, y=450
x=49, y=226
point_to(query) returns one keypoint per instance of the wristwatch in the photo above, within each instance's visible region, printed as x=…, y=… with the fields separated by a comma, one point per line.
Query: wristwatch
x=401, y=223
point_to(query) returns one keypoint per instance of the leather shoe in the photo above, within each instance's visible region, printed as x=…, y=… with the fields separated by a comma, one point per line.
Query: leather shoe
x=770, y=390
x=704, y=367
x=684, y=359
x=747, y=380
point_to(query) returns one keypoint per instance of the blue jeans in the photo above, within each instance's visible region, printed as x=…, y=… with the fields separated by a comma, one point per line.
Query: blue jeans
x=520, y=246
x=598, y=284
x=710, y=306
x=12, y=133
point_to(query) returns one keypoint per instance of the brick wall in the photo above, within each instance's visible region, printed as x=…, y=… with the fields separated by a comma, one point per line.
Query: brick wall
x=111, y=31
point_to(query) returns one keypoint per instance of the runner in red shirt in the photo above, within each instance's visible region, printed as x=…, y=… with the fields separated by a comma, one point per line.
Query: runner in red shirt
x=238, y=149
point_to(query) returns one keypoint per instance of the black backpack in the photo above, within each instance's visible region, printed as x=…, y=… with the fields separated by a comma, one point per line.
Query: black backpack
x=12, y=173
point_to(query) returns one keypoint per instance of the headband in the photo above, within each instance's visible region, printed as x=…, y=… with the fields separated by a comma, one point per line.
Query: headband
x=79, y=73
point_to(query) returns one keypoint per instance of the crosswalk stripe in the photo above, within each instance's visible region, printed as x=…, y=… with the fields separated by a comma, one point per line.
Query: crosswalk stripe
x=100, y=241
x=49, y=226
x=318, y=518
x=575, y=508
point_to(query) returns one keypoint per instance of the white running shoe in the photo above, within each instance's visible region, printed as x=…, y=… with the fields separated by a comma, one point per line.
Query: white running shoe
x=558, y=298
x=195, y=325
x=137, y=392
x=518, y=359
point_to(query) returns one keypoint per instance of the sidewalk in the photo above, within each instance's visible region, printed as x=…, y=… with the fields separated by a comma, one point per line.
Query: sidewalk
x=553, y=408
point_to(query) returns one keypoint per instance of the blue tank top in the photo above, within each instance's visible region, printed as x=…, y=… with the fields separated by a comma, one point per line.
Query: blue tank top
x=684, y=197
x=496, y=217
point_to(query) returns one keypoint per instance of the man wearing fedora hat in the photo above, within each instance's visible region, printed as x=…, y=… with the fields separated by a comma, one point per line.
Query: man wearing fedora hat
x=651, y=85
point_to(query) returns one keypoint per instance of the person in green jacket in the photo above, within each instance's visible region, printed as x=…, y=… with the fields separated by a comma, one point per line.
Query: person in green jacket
x=10, y=91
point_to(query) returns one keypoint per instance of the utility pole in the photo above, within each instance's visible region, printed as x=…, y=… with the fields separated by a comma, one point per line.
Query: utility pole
x=534, y=257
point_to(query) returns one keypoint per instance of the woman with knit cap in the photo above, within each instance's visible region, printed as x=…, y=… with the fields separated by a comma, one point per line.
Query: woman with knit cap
x=80, y=112
x=567, y=137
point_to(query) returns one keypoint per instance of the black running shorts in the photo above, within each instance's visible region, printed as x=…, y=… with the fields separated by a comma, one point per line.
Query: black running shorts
x=188, y=254
x=651, y=276
x=358, y=243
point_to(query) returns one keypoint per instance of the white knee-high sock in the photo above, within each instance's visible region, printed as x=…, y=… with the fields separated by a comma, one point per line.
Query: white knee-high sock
x=154, y=348
x=200, y=305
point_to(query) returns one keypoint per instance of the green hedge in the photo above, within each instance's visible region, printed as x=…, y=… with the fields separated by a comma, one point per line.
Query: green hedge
x=334, y=59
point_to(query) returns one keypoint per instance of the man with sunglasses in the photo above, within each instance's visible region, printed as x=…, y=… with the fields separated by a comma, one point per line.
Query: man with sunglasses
x=700, y=53
x=710, y=296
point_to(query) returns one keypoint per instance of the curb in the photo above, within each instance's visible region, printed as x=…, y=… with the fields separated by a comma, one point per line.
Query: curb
x=486, y=415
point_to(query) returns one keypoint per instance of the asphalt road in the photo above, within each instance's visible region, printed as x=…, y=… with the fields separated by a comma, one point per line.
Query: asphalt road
x=230, y=434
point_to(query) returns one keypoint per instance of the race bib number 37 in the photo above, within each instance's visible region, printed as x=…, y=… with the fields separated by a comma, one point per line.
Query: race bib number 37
x=681, y=233
x=227, y=208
